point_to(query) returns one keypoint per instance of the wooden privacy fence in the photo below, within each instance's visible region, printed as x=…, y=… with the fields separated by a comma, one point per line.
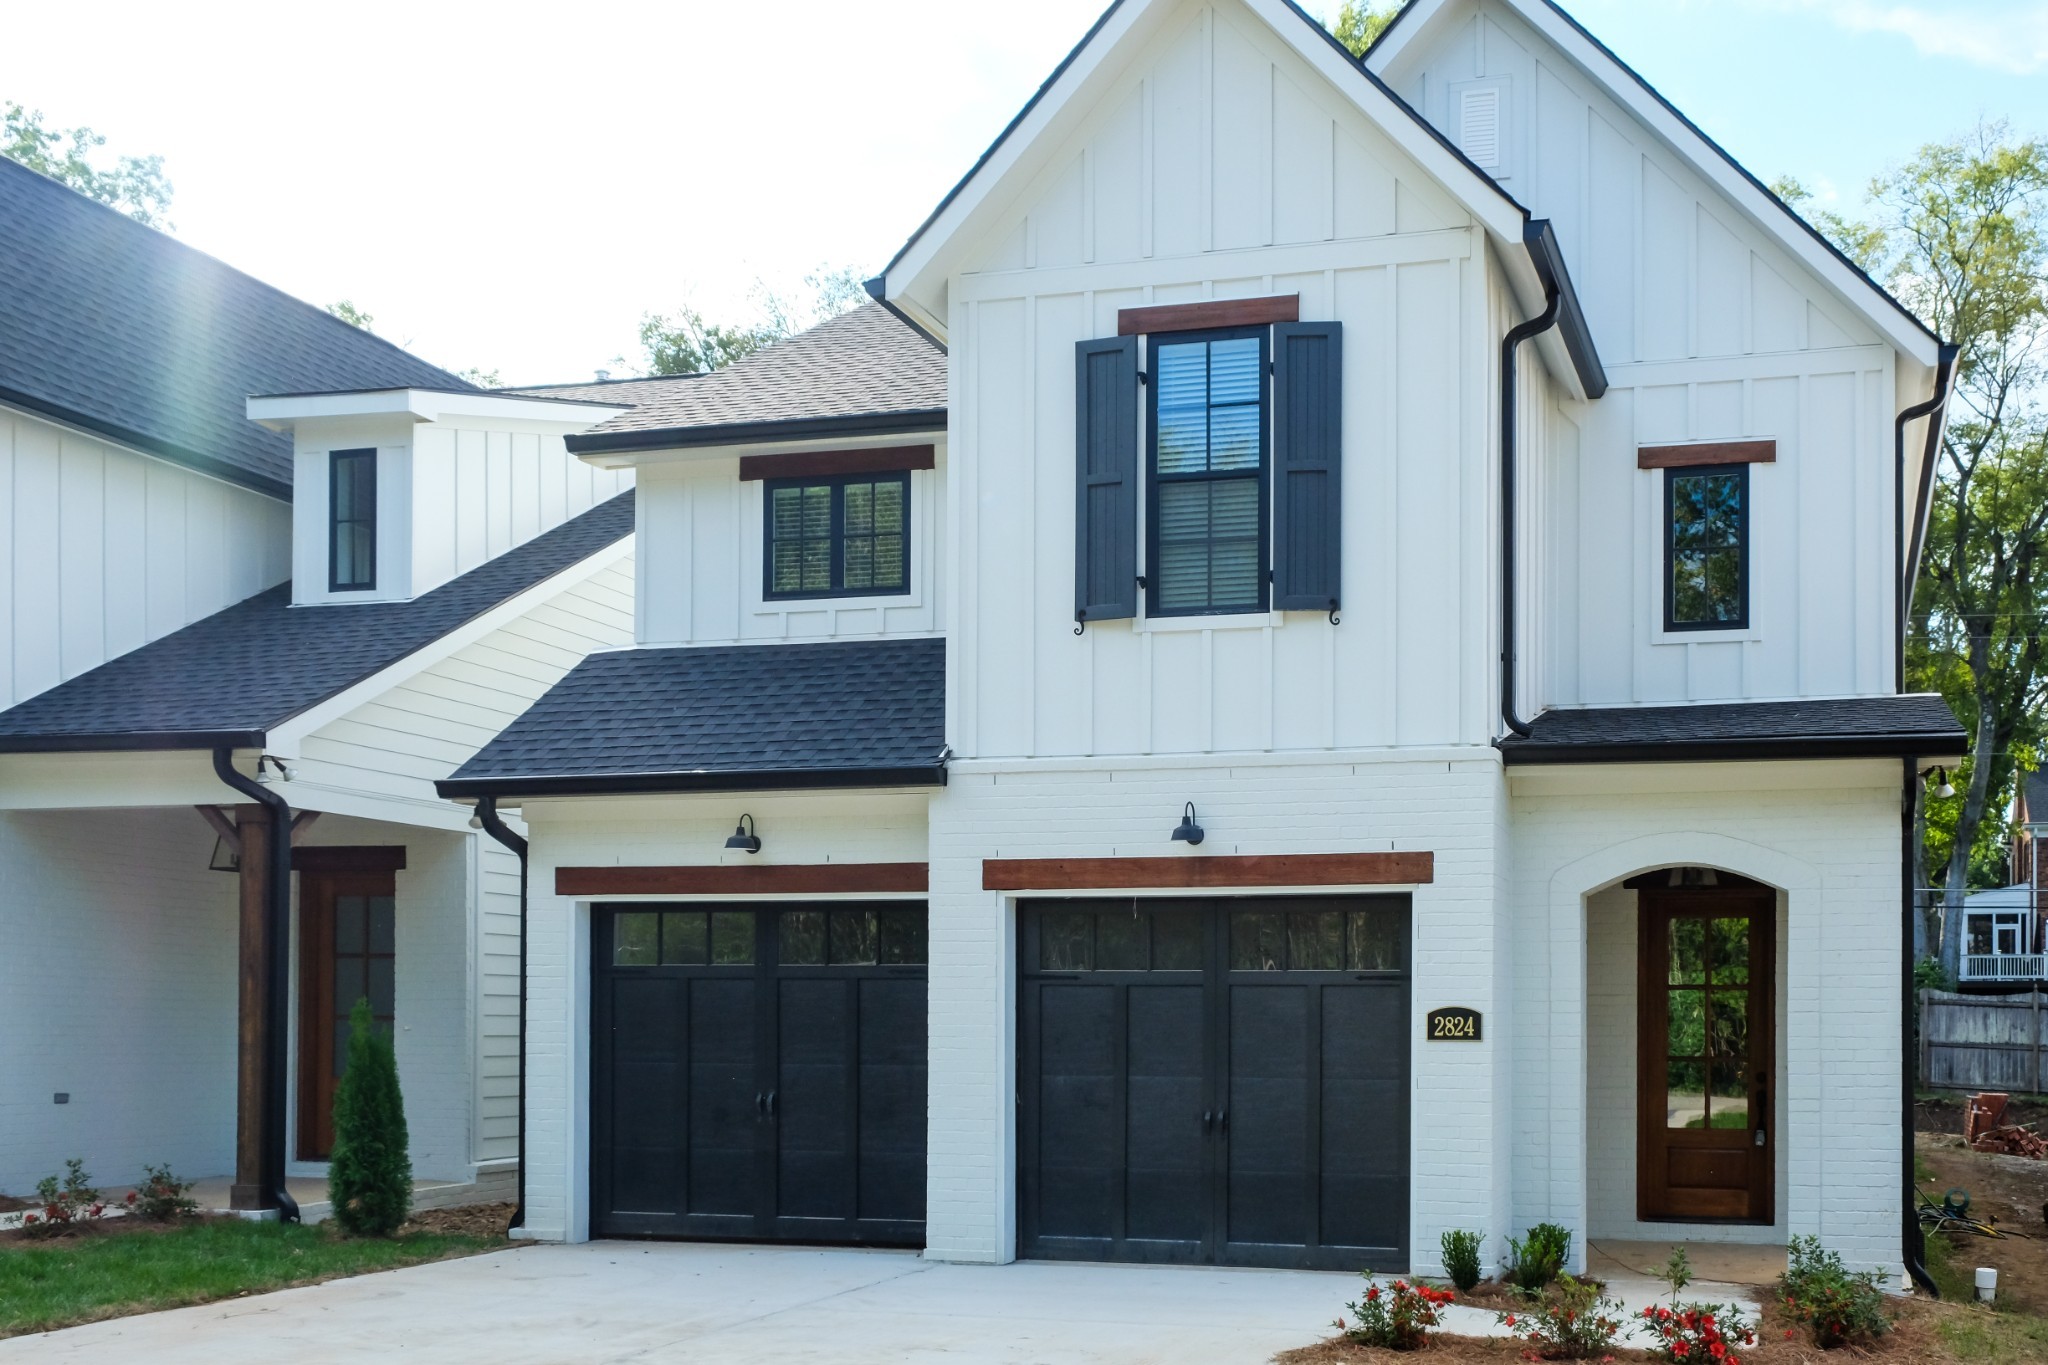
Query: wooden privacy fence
x=1983, y=1042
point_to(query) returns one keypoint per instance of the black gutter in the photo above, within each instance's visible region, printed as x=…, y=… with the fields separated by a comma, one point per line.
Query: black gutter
x=487, y=815
x=1548, y=258
x=1531, y=752
x=737, y=780
x=1914, y=1244
x=276, y=977
x=124, y=740
x=1906, y=564
x=878, y=290
x=151, y=445
x=1521, y=332
x=740, y=433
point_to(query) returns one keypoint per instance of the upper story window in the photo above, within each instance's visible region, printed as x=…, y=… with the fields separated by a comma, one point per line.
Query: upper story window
x=1208, y=475
x=1706, y=547
x=845, y=535
x=352, y=520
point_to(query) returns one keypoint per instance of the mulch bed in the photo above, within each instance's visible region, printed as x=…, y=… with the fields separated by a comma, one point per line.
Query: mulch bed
x=105, y=1227
x=471, y=1220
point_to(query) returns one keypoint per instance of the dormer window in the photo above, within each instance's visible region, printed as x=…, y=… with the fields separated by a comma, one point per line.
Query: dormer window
x=352, y=521
x=838, y=536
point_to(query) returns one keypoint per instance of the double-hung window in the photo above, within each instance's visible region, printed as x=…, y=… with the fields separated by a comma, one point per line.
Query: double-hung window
x=844, y=535
x=1706, y=547
x=1208, y=474
x=351, y=520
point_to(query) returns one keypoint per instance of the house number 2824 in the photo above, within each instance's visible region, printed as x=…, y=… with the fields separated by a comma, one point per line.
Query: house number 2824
x=1453, y=1026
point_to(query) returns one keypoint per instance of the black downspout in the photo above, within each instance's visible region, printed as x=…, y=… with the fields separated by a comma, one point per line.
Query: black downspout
x=275, y=1037
x=487, y=815
x=1915, y=1243
x=1518, y=334
x=1907, y=567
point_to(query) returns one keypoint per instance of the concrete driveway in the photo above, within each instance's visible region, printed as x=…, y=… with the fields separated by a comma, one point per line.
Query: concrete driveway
x=634, y=1301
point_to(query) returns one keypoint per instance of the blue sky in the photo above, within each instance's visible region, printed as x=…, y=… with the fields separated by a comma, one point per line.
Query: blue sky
x=511, y=185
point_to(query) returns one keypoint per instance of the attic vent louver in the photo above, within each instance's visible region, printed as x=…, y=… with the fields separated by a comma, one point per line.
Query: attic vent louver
x=1481, y=110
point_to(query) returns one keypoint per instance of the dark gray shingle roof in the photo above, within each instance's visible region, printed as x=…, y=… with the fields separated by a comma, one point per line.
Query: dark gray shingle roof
x=2034, y=791
x=624, y=392
x=725, y=718
x=1849, y=727
x=864, y=365
x=123, y=330
x=238, y=672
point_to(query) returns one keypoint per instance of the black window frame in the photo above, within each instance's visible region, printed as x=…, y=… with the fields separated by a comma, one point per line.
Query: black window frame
x=335, y=460
x=1154, y=480
x=838, y=484
x=1741, y=473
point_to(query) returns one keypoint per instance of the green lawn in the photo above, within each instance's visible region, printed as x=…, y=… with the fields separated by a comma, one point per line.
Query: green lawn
x=69, y=1281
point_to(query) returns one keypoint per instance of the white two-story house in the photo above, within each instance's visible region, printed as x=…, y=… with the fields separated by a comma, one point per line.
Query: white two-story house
x=1320, y=667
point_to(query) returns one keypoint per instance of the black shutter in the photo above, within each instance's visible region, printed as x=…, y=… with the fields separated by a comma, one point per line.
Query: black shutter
x=1106, y=479
x=1308, y=385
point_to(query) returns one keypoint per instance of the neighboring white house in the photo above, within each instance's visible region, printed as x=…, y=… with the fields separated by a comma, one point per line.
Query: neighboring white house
x=176, y=441
x=1357, y=696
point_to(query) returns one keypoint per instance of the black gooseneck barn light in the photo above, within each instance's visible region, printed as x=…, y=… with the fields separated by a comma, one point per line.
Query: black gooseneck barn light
x=1942, y=789
x=743, y=836
x=1187, y=831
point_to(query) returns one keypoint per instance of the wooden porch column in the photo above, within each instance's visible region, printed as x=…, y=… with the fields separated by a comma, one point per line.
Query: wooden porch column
x=252, y=1019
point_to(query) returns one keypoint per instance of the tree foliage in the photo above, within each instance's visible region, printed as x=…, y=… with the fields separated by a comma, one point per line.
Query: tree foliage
x=350, y=314
x=1358, y=26
x=685, y=342
x=369, y=1179
x=135, y=185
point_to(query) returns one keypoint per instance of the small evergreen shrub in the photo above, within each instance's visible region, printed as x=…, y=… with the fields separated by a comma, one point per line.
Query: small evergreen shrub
x=62, y=1205
x=161, y=1197
x=1461, y=1257
x=1397, y=1318
x=1537, y=1259
x=1577, y=1323
x=1838, y=1308
x=369, y=1178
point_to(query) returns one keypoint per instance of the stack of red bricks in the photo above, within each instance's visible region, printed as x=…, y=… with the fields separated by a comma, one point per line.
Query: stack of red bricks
x=1985, y=1129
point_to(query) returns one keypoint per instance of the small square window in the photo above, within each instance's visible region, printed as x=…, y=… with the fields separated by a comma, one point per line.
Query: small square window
x=845, y=536
x=1706, y=548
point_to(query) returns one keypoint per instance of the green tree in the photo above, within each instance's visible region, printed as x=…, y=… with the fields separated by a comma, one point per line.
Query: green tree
x=134, y=184
x=684, y=342
x=1358, y=26
x=369, y=1179
x=1960, y=232
x=350, y=314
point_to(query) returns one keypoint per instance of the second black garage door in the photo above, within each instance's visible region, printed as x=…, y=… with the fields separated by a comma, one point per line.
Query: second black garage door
x=759, y=1073
x=1215, y=1081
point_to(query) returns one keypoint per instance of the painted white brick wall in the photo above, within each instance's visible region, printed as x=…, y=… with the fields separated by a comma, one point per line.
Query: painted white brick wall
x=120, y=992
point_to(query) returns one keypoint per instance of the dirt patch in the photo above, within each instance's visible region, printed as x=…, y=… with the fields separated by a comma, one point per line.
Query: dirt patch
x=1503, y=1297
x=1943, y=1112
x=2007, y=1191
x=471, y=1220
x=95, y=1228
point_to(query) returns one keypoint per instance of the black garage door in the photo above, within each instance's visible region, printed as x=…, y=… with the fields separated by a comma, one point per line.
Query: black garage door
x=1215, y=1081
x=759, y=1073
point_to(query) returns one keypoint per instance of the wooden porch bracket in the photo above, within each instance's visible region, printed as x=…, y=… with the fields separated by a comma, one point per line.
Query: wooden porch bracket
x=252, y=1018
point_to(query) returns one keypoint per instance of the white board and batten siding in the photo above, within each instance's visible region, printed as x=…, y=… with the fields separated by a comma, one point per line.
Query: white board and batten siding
x=1710, y=330
x=104, y=549
x=1221, y=165
x=703, y=565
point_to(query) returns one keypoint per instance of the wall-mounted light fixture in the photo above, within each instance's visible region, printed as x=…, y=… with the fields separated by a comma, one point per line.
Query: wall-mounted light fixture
x=1941, y=787
x=743, y=836
x=284, y=770
x=1187, y=831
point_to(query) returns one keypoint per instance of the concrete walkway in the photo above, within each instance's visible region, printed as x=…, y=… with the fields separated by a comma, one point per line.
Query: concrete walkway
x=632, y=1301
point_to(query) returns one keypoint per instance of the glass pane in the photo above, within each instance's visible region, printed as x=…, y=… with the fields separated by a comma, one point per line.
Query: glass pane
x=1375, y=941
x=1728, y=949
x=818, y=511
x=904, y=935
x=383, y=925
x=1688, y=952
x=890, y=569
x=633, y=939
x=817, y=570
x=1177, y=942
x=786, y=513
x=1315, y=940
x=853, y=937
x=1234, y=438
x=383, y=994
x=351, y=983
x=1181, y=371
x=1728, y=1025
x=1234, y=371
x=789, y=566
x=803, y=938
x=1258, y=941
x=859, y=557
x=351, y=916
x=1706, y=511
x=1119, y=941
x=732, y=937
x=1687, y=1024
x=1066, y=941
x=1980, y=933
x=1209, y=544
x=889, y=506
x=1183, y=439
x=1728, y=1107
x=858, y=518
x=341, y=1030
x=682, y=938
x=1686, y=1097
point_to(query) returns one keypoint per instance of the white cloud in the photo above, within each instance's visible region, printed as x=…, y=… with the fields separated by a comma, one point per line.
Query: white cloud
x=2005, y=35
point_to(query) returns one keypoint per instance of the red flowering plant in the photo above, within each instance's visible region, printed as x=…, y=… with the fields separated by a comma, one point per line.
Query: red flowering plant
x=1699, y=1333
x=1398, y=1316
x=64, y=1204
x=1577, y=1322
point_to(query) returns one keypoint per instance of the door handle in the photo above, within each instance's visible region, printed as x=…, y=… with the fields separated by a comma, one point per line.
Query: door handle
x=760, y=1103
x=1208, y=1119
x=1223, y=1122
x=1760, y=1106
x=771, y=1105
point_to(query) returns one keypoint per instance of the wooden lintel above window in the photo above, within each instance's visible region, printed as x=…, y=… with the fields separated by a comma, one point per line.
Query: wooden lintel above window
x=1706, y=452
x=742, y=880
x=1219, y=871
x=1198, y=317
x=348, y=858
x=808, y=464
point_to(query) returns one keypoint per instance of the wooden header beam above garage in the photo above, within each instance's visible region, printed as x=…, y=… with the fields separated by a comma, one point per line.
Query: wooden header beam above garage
x=1218, y=872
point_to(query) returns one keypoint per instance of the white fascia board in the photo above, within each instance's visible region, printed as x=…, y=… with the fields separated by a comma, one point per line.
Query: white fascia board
x=633, y=459
x=280, y=412
x=286, y=737
x=1709, y=161
x=97, y=780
